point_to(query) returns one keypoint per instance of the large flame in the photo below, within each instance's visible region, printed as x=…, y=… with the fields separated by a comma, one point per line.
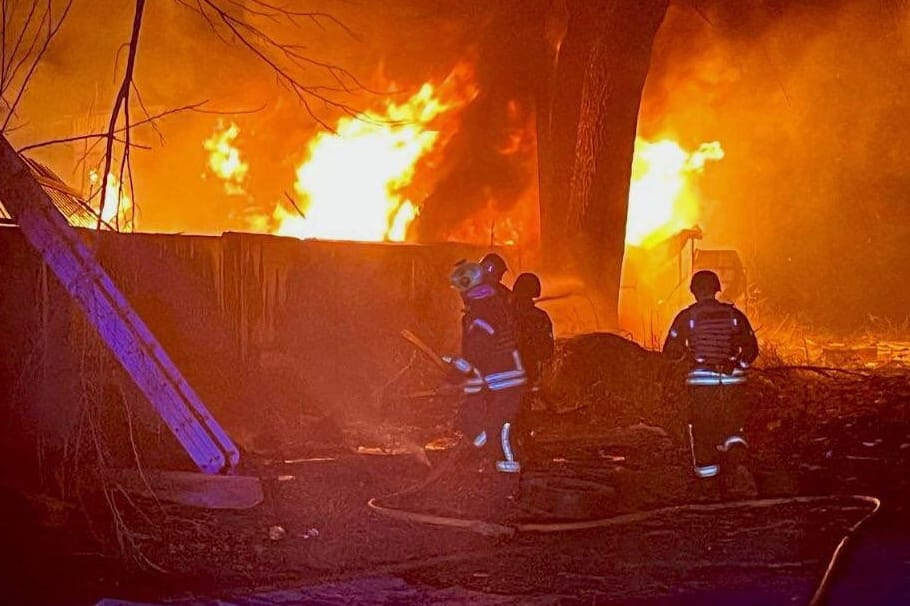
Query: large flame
x=224, y=158
x=353, y=183
x=661, y=197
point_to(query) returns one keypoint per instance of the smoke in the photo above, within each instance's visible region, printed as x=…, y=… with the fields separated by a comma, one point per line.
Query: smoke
x=807, y=100
x=489, y=167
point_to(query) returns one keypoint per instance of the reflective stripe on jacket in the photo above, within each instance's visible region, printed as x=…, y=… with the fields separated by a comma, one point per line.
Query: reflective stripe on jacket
x=713, y=377
x=488, y=344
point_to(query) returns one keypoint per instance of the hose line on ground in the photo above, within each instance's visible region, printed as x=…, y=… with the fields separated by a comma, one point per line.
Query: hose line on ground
x=821, y=591
x=494, y=529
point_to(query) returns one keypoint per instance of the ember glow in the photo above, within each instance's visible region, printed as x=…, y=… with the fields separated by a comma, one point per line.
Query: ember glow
x=487, y=226
x=662, y=200
x=354, y=183
x=224, y=158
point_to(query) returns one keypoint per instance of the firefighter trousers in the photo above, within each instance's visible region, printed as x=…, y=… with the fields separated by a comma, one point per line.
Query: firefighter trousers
x=488, y=419
x=716, y=418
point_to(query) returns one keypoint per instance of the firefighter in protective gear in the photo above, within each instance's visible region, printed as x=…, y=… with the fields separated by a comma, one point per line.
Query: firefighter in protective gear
x=535, y=345
x=718, y=344
x=491, y=367
x=494, y=267
x=534, y=326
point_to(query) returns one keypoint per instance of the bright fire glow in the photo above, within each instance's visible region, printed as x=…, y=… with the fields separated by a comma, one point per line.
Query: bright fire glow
x=353, y=183
x=117, y=203
x=487, y=226
x=661, y=197
x=224, y=158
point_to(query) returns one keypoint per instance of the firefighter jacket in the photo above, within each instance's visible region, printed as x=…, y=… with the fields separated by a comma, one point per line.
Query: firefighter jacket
x=488, y=345
x=534, y=336
x=717, y=340
x=504, y=292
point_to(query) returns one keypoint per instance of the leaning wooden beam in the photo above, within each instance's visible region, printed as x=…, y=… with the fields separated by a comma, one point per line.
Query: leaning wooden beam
x=107, y=309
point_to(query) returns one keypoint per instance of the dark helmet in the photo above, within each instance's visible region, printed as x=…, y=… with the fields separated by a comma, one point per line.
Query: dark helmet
x=466, y=275
x=527, y=286
x=704, y=283
x=494, y=266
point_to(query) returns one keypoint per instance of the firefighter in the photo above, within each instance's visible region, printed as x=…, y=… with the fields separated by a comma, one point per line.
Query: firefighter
x=718, y=344
x=492, y=372
x=534, y=332
x=494, y=267
x=534, y=327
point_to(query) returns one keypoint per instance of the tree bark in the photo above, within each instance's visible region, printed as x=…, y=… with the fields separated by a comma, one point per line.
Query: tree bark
x=588, y=136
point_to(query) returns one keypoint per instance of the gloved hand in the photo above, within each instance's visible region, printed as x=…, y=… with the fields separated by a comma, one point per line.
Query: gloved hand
x=459, y=364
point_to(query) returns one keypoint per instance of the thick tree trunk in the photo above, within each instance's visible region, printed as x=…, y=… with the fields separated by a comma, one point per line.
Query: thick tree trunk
x=588, y=137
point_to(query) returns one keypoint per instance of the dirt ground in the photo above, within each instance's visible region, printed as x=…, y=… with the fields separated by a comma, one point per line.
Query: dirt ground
x=616, y=449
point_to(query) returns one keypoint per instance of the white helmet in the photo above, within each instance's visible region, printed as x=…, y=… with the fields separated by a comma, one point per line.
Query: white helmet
x=466, y=275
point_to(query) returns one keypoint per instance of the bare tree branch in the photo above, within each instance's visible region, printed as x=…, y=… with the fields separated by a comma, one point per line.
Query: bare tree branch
x=51, y=33
x=145, y=110
x=194, y=107
x=290, y=199
x=4, y=23
x=121, y=102
x=15, y=50
x=22, y=52
x=135, y=206
x=316, y=17
x=14, y=69
x=279, y=56
x=125, y=162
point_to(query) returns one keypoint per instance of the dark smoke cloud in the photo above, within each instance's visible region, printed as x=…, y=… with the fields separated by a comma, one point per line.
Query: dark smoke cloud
x=477, y=172
x=808, y=100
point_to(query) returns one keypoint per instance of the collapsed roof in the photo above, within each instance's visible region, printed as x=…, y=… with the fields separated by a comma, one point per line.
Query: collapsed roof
x=70, y=202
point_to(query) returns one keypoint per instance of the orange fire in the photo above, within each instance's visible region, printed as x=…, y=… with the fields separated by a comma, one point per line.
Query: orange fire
x=224, y=158
x=117, y=203
x=358, y=181
x=354, y=183
x=488, y=227
x=662, y=200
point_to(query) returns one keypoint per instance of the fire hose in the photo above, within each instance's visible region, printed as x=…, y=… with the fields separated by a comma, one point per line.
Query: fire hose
x=493, y=529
